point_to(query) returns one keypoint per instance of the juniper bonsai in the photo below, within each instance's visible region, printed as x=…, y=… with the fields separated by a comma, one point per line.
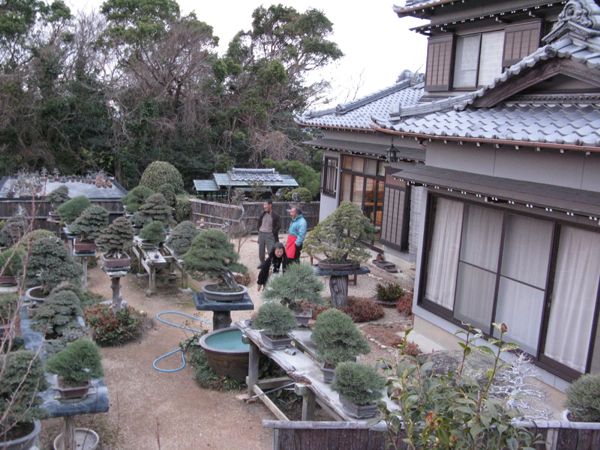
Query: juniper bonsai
x=13, y=230
x=181, y=237
x=58, y=316
x=156, y=208
x=136, y=198
x=116, y=239
x=153, y=232
x=212, y=254
x=341, y=236
x=50, y=263
x=297, y=283
x=274, y=319
x=78, y=363
x=72, y=209
x=89, y=224
x=161, y=172
x=58, y=196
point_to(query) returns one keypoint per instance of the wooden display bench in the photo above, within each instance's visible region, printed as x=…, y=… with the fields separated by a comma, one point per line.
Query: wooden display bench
x=152, y=260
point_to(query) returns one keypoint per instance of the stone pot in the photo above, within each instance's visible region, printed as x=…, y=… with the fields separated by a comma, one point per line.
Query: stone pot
x=72, y=392
x=85, y=439
x=25, y=442
x=211, y=293
x=275, y=342
x=358, y=411
x=328, y=372
x=335, y=265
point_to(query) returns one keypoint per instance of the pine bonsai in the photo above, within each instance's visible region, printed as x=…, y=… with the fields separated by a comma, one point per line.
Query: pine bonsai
x=341, y=236
x=58, y=196
x=11, y=261
x=274, y=319
x=78, y=363
x=297, y=283
x=58, y=316
x=116, y=239
x=138, y=221
x=13, y=230
x=168, y=191
x=181, y=237
x=156, y=208
x=50, y=263
x=136, y=198
x=212, y=254
x=359, y=383
x=337, y=338
x=161, y=172
x=32, y=236
x=72, y=209
x=153, y=233
x=583, y=398
x=89, y=224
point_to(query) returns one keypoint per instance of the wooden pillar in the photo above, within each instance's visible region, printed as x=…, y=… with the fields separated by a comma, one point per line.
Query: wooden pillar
x=221, y=319
x=308, y=401
x=115, y=285
x=253, y=359
x=84, y=277
x=69, y=434
x=338, y=286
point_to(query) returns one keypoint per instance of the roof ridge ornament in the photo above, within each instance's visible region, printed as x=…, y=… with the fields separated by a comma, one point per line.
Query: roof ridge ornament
x=579, y=17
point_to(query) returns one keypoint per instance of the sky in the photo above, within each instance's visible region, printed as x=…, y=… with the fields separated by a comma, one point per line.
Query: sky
x=377, y=44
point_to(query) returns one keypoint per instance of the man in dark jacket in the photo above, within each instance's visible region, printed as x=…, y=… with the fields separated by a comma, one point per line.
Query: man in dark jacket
x=268, y=231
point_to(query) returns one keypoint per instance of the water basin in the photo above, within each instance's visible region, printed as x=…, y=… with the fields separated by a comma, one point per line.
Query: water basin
x=225, y=352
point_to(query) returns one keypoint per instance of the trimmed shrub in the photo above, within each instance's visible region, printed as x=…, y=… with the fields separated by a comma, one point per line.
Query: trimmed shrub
x=117, y=238
x=359, y=383
x=57, y=316
x=583, y=398
x=181, y=237
x=50, y=263
x=389, y=293
x=363, y=310
x=297, y=283
x=158, y=173
x=154, y=232
x=11, y=261
x=337, y=338
x=156, y=208
x=136, y=198
x=169, y=193
x=72, y=209
x=90, y=222
x=300, y=194
x=79, y=362
x=58, y=196
x=13, y=230
x=183, y=208
x=274, y=319
x=113, y=328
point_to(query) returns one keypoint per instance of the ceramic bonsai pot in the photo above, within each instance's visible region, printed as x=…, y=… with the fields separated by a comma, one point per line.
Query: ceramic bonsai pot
x=8, y=280
x=358, y=411
x=338, y=265
x=328, y=372
x=84, y=247
x=275, y=342
x=116, y=263
x=25, y=442
x=215, y=293
x=72, y=392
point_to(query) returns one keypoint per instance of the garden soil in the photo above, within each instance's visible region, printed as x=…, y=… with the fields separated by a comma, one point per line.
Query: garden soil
x=168, y=411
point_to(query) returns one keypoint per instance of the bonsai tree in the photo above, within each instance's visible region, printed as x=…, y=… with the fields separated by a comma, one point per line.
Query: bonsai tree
x=72, y=209
x=181, y=237
x=22, y=378
x=297, y=283
x=341, y=235
x=13, y=230
x=183, y=208
x=212, y=254
x=358, y=383
x=32, y=236
x=89, y=224
x=136, y=198
x=168, y=191
x=58, y=196
x=583, y=398
x=274, y=319
x=138, y=221
x=116, y=239
x=77, y=364
x=58, y=316
x=156, y=208
x=153, y=233
x=158, y=173
x=337, y=338
x=11, y=261
x=50, y=263
x=388, y=293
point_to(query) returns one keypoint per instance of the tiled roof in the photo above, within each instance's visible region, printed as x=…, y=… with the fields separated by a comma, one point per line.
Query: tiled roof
x=245, y=178
x=417, y=5
x=77, y=186
x=205, y=186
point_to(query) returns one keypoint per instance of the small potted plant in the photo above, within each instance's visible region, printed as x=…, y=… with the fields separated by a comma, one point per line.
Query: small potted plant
x=115, y=240
x=60, y=316
x=87, y=228
x=387, y=295
x=298, y=288
x=212, y=254
x=76, y=366
x=70, y=210
x=583, y=399
x=337, y=339
x=275, y=322
x=181, y=238
x=359, y=387
x=11, y=265
x=341, y=237
x=153, y=234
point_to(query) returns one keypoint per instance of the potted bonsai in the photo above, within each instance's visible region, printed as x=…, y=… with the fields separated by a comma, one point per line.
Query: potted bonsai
x=75, y=367
x=359, y=387
x=298, y=288
x=13, y=230
x=22, y=378
x=87, y=228
x=11, y=265
x=136, y=198
x=341, y=237
x=115, y=240
x=337, y=339
x=212, y=254
x=156, y=208
x=60, y=317
x=56, y=198
x=388, y=295
x=275, y=322
x=153, y=234
x=72, y=209
x=583, y=399
x=181, y=237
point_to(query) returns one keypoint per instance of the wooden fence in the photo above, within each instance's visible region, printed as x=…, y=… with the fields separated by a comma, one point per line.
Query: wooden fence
x=556, y=435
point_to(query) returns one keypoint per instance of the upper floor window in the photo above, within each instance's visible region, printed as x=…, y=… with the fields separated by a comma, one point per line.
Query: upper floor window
x=478, y=59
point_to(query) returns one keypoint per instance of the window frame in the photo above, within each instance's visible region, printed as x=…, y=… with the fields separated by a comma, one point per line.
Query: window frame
x=455, y=64
x=330, y=176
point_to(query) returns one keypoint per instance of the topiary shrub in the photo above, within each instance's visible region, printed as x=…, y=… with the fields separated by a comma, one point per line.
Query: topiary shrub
x=169, y=193
x=158, y=173
x=389, y=293
x=113, y=328
x=583, y=398
x=153, y=233
x=116, y=239
x=183, y=208
x=181, y=237
x=136, y=198
x=50, y=263
x=156, y=208
x=13, y=230
x=297, y=283
x=11, y=261
x=22, y=378
x=58, y=196
x=72, y=209
x=363, y=310
x=359, y=383
x=337, y=338
x=274, y=319
x=57, y=316
x=78, y=363
x=300, y=194
x=89, y=224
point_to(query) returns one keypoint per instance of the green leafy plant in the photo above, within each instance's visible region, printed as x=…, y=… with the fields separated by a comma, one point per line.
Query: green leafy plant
x=183, y=208
x=341, y=236
x=168, y=191
x=111, y=328
x=306, y=176
x=13, y=230
x=89, y=224
x=274, y=319
x=50, y=263
x=33, y=236
x=58, y=196
x=297, y=283
x=72, y=209
x=181, y=237
x=300, y=194
x=57, y=316
x=138, y=221
x=11, y=261
x=156, y=208
x=136, y=198
x=116, y=239
x=359, y=383
x=22, y=378
x=161, y=172
x=78, y=363
x=153, y=232
x=363, y=310
x=337, y=338
x=389, y=292
x=583, y=398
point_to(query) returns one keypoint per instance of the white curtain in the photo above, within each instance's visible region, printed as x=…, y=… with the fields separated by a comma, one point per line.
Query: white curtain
x=466, y=61
x=442, y=263
x=492, y=50
x=574, y=297
x=481, y=237
x=475, y=296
